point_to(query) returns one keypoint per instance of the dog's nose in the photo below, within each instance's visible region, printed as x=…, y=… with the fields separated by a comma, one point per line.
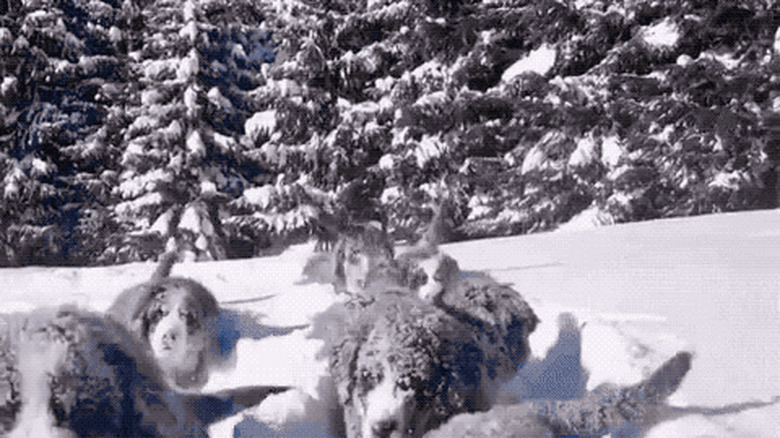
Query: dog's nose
x=383, y=429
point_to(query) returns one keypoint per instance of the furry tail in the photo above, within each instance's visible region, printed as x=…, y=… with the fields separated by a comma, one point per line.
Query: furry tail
x=211, y=408
x=609, y=409
x=165, y=265
x=435, y=232
x=665, y=380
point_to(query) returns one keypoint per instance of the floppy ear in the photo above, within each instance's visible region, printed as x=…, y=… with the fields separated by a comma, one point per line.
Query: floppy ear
x=461, y=367
x=142, y=321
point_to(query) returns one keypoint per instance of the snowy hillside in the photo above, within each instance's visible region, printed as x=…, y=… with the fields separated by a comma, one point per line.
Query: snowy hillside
x=642, y=292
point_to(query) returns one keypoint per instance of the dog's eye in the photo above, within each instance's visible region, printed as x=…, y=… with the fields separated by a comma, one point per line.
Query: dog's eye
x=157, y=314
x=191, y=319
x=353, y=257
x=369, y=380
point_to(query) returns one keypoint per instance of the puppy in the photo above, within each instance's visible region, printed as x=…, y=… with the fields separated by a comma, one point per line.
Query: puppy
x=402, y=366
x=360, y=250
x=392, y=369
x=178, y=319
x=607, y=410
x=77, y=373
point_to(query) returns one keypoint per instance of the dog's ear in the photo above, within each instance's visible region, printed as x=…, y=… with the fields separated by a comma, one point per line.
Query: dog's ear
x=147, y=314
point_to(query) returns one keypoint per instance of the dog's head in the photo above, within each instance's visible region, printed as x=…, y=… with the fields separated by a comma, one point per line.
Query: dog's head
x=360, y=250
x=436, y=272
x=411, y=371
x=179, y=321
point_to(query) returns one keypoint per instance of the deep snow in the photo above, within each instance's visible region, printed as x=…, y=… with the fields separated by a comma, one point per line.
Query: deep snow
x=640, y=292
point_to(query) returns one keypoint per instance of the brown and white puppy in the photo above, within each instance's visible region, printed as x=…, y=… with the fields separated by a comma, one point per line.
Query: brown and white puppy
x=403, y=365
x=361, y=249
x=77, y=373
x=178, y=318
x=346, y=262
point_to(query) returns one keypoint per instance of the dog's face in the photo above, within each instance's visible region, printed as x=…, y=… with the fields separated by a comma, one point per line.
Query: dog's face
x=358, y=254
x=386, y=405
x=180, y=332
x=396, y=380
x=175, y=331
x=439, y=271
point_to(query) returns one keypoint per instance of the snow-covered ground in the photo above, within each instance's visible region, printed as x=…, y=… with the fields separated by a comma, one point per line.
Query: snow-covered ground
x=641, y=292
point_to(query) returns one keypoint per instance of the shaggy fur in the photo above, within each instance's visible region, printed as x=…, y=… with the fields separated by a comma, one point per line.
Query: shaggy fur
x=75, y=373
x=178, y=318
x=346, y=264
x=495, y=313
x=359, y=251
x=419, y=340
x=605, y=410
x=402, y=366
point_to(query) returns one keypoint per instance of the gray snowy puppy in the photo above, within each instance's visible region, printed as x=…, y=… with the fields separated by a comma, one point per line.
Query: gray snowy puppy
x=402, y=366
x=77, y=373
x=607, y=410
x=178, y=318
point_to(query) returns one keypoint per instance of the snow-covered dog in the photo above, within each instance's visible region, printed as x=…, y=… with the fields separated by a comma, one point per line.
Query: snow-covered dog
x=77, y=373
x=359, y=251
x=402, y=366
x=178, y=318
x=608, y=409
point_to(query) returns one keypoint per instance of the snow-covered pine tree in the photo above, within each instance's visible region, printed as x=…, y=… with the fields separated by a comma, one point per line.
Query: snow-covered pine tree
x=637, y=110
x=181, y=157
x=249, y=123
x=59, y=59
x=269, y=206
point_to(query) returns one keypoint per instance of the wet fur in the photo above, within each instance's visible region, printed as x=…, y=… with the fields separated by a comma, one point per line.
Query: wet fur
x=606, y=410
x=465, y=333
x=99, y=380
x=437, y=362
x=497, y=315
x=187, y=308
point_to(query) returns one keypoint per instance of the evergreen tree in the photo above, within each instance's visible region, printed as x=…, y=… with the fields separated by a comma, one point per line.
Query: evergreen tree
x=227, y=129
x=633, y=110
x=61, y=60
